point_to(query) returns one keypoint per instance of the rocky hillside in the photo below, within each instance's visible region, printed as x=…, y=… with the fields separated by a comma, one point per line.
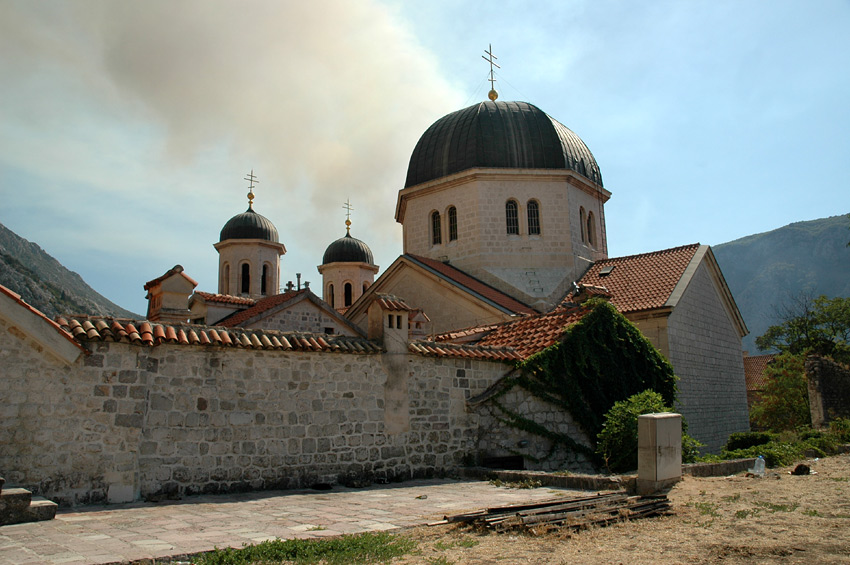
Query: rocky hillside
x=44, y=283
x=766, y=269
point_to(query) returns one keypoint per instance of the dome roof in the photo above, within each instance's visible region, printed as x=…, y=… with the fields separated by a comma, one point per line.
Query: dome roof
x=515, y=135
x=249, y=225
x=348, y=249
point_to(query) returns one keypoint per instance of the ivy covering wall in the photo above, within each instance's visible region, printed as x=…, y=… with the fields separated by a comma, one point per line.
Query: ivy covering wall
x=600, y=360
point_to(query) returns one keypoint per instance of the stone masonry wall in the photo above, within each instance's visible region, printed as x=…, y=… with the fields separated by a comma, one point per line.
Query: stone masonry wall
x=705, y=350
x=829, y=390
x=301, y=317
x=498, y=439
x=129, y=422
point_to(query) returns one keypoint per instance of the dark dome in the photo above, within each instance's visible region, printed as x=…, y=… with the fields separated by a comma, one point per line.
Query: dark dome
x=249, y=225
x=348, y=250
x=515, y=135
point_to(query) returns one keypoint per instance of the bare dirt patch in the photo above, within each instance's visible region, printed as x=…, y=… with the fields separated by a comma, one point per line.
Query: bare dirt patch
x=779, y=518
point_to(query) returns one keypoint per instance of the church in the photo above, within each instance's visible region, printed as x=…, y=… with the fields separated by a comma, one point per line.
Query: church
x=262, y=386
x=503, y=217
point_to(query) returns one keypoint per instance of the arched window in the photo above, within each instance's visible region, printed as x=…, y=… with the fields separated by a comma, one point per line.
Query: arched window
x=582, y=220
x=452, y=223
x=436, y=229
x=225, y=284
x=347, y=292
x=264, y=282
x=591, y=229
x=533, y=218
x=245, y=284
x=512, y=217
x=330, y=295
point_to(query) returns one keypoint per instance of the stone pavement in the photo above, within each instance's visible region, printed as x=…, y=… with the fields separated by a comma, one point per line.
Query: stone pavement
x=120, y=532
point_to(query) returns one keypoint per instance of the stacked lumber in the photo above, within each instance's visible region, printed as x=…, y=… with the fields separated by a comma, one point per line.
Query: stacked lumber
x=566, y=513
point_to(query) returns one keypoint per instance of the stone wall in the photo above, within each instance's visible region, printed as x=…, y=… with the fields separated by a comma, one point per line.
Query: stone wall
x=829, y=390
x=303, y=316
x=128, y=422
x=496, y=439
x=705, y=350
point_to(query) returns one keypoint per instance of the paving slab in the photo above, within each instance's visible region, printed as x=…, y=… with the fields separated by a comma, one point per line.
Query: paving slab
x=127, y=532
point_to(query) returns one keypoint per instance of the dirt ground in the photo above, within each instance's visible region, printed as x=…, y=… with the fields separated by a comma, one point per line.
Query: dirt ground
x=780, y=518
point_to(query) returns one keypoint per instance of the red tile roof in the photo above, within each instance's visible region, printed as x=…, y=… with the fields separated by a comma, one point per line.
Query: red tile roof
x=754, y=366
x=175, y=270
x=226, y=298
x=260, y=306
x=471, y=284
x=392, y=303
x=525, y=336
x=532, y=334
x=17, y=298
x=435, y=349
x=640, y=282
x=97, y=328
x=104, y=329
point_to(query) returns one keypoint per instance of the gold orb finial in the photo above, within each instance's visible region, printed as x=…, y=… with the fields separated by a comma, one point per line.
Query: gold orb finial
x=492, y=95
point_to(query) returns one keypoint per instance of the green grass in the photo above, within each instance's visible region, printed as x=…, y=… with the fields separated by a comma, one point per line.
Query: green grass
x=379, y=547
x=778, y=507
x=705, y=508
x=464, y=542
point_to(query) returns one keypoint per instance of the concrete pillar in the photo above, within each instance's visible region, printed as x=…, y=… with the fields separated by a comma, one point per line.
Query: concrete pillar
x=659, y=451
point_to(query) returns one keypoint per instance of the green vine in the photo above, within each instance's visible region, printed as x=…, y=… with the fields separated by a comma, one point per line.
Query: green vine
x=520, y=422
x=600, y=360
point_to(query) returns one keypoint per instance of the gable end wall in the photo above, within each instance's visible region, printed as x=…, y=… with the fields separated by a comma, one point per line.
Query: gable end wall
x=705, y=350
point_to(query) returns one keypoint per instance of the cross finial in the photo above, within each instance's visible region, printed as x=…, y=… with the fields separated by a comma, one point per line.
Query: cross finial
x=252, y=180
x=348, y=208
x=492, y=95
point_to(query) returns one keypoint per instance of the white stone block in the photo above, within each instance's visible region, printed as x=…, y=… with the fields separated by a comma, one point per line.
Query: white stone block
x=659, y=446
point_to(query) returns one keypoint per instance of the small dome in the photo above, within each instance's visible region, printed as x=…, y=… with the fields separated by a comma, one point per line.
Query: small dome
x=249, y=225
x=515, y=135
x=348, y=249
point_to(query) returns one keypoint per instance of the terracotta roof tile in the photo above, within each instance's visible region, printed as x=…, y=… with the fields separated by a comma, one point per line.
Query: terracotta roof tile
x=226, y=298
x=534, y=333
x=525, y=336
x=260, y=306
x=186, y=334
x=754, y=367
x=432, y=349
x=23, y=304
x=392, y=303
x=175, y=270
x=473, y=285
x=639, y=282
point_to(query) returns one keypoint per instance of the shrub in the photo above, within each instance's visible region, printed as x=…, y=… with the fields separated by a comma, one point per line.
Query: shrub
x=617, y=443
x=744, y=440
x=840, y=429
x=776, y=454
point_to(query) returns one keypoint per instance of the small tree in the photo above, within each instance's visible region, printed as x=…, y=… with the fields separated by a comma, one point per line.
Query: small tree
x=818, y=325
x=784, y=404
x=617, y=443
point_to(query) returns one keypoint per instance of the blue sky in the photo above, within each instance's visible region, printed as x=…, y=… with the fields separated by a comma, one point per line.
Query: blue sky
x=126, y=128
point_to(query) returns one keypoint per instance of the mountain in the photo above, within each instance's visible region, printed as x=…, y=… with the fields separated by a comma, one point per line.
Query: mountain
x=43, y=282
x=767, y=269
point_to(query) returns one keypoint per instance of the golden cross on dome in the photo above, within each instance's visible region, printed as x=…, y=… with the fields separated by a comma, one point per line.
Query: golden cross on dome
x=492, y=95
x=348, y=208
x=252, y=180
